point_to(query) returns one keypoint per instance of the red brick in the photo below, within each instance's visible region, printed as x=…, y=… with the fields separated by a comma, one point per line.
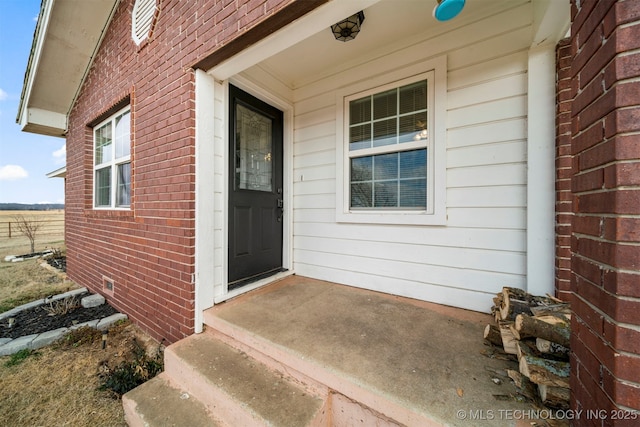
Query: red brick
x=627, y=147
x=593, y=135
x=623, y=174
x=602, y=52
x=623, y=393
x=592, y=180
x=580, y=14
x=622, y=229
x=621, y=337
x=626, y=311
x=621, y=68
x=587, y=313
x=621, y=283
x=586, y=96
x=615, y=201
x=622, y=121
x=590, y=225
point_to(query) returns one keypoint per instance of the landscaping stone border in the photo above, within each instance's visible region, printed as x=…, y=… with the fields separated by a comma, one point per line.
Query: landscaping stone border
x=10, y=346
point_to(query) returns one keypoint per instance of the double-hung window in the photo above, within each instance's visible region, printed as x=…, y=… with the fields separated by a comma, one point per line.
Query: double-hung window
x=112, y=161
x=389, y=148
x=389, y=154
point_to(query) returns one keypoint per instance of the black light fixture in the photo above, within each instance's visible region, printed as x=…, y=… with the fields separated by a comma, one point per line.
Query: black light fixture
x=348, y=29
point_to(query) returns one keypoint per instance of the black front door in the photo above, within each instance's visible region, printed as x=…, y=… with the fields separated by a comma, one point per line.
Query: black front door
x=255, y=189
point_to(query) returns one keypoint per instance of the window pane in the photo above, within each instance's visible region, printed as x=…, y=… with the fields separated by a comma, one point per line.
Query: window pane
x=413, y=127
x=360, y=110
x=413, y=164
x=385, y=104
x=103, y=187
x=122, y=139
x=361, y=195
x=103, y=144
x=123, y=191
x=360, y=137
x=394, y=180
x=253, y=150
x=361, y=169
x=384, y=132
x=386, y=167
x=413, y=193
x=413, y=97
x=386, y=194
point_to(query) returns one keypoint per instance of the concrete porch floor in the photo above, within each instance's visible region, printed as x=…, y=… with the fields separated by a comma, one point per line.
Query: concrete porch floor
x=390, y=353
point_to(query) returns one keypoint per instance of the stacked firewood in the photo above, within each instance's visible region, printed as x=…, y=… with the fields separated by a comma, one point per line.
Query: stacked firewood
x=537, y=331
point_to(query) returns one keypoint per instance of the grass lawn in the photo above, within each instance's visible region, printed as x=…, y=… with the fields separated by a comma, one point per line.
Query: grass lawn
x=59, y=385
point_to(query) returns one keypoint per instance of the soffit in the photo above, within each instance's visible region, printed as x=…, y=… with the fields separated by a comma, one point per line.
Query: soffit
x=389, y=25
x=67, y=37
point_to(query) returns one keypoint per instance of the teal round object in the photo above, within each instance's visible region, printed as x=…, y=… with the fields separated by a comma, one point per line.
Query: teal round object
x=448, y=9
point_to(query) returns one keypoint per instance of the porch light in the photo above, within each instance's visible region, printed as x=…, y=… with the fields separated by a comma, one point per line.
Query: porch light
x=348, y=29
x=448, y=9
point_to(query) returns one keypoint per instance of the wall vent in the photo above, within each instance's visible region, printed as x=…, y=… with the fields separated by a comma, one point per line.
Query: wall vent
x=108, y=285
x=142, y=19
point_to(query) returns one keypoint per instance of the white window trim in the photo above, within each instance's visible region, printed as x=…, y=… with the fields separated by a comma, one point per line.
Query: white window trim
x=112, y=163
x=435, y=70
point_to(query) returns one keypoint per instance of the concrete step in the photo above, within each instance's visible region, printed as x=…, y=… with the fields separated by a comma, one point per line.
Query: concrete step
x=239, y=389
x=157, y=403
x=350, y=401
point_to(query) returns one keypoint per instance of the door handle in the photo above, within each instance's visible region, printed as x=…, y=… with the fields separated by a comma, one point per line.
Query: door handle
x=281, y=207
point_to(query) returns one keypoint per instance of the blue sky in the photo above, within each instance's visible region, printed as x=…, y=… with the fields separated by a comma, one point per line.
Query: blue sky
x=25, y=158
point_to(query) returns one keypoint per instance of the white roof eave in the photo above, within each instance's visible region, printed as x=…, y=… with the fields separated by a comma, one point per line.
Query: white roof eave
x=67, y=37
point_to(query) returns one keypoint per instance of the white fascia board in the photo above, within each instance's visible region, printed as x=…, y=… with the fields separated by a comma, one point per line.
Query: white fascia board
x=58, y=173
x=45, y=122
x=34, y=60
x=318, y=20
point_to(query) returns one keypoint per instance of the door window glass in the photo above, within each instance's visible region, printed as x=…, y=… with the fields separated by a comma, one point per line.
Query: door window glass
x=253, y=150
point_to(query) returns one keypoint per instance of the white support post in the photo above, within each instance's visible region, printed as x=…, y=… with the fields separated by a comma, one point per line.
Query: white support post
x=541, y=170
x=204, y=265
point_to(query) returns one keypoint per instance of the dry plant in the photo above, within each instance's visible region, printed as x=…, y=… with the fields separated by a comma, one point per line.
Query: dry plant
x=28, y=227
x=62, y=306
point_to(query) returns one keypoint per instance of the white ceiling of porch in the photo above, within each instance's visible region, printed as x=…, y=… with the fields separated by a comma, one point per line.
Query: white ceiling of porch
x=388, y=25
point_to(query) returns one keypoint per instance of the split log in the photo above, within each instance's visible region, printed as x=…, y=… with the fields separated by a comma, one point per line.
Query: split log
x=492, y=334
x=508, y=340
x=513, y=303
x=554, y=397
x=527, y=347
x=516, y=301
x=552, y=348
x=524, y=386
x=544, y=371
x=550, y=328
x=563, y=309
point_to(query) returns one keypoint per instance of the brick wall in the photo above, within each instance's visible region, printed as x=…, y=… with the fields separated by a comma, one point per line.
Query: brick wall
x=605, y=121
x=564, y=197
x=148, y=251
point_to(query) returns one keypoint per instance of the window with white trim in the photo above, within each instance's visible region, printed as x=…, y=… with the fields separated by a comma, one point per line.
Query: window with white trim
x=112, y=161
x=391, y=154
x=389, y=148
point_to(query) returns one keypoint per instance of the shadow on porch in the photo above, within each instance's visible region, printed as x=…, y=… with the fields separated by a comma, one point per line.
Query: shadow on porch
x=307, y=352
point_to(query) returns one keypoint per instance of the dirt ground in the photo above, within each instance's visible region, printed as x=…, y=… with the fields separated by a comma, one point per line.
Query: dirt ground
x=58, y=385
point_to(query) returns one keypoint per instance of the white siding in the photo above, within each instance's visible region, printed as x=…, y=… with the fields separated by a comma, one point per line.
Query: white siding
x=482, y=247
